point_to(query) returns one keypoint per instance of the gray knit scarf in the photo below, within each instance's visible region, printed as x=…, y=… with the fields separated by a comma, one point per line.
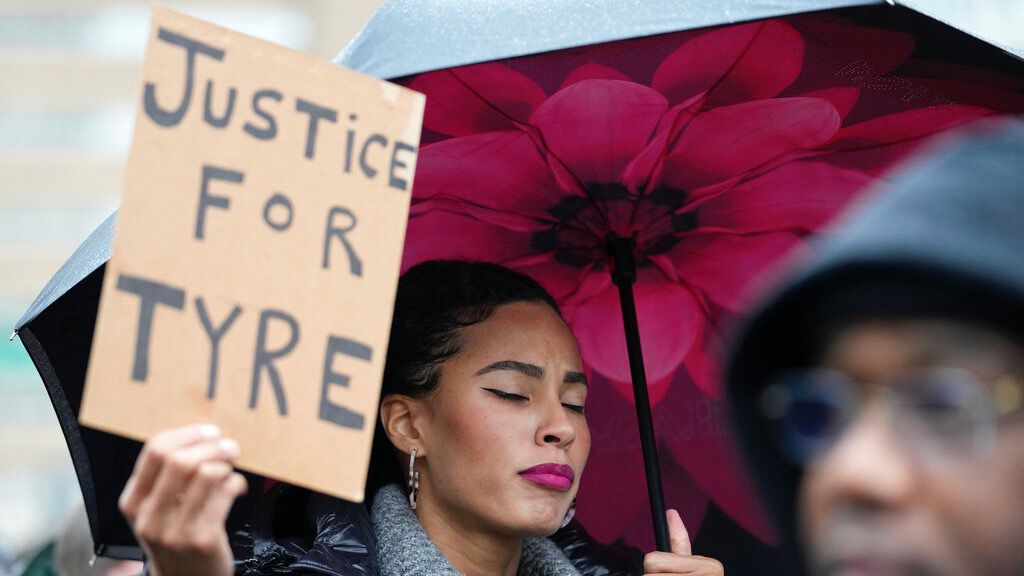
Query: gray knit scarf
x=404, y=549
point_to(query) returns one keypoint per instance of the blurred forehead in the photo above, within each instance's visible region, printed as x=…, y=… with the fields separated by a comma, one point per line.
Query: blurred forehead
x=873, y=350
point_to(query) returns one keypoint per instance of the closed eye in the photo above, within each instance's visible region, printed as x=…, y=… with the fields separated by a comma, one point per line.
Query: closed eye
x=507, y=395
x=578, y=408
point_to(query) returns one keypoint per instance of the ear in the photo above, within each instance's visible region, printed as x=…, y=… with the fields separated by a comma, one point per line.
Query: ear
x=401, y=418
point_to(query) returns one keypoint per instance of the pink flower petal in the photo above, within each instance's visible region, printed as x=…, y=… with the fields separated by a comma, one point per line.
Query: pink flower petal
x=495, y=170
x=876, y=145
x=443, y=234
x=843, y=99
x=703, y=363
x=696, y=432
x=722, y=267
x=592, y=71
x=592, y=284
x=729, y=141
x=798, y=197
x=668, y=318
x=596, y=127
x=903, y=126
x=881, y=49
x=511, y=221
x=702, y=62
x=644, y=172
x=734, y=63
x=612, y=501
x=476, y=98
x=560, y=280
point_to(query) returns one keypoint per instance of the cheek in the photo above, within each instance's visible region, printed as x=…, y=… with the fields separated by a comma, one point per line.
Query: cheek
x=472, y=436
x=983, y=501
x=811, y=509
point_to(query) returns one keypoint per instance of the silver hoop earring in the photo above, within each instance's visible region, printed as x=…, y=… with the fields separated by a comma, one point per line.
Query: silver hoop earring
x=414, y=479
x=569, y=515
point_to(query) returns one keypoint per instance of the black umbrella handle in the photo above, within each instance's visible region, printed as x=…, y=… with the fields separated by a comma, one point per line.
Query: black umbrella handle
x=624, y=276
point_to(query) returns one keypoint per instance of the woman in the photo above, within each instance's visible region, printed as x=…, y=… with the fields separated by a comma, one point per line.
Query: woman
x=480, y=445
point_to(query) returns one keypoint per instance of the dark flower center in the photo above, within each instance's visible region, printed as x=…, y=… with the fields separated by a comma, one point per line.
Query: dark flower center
x=584, y=225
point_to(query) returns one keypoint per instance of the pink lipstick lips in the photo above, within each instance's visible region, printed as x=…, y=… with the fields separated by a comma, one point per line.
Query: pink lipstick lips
x=555, y=476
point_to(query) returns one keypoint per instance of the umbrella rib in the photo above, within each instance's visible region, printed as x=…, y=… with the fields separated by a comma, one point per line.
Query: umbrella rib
x=459, y=202
x=536, y=134
x=705, y=308
x=674, y=133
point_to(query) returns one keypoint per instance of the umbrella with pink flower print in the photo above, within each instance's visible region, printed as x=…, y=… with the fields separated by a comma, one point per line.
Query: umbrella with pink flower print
x=677, y=167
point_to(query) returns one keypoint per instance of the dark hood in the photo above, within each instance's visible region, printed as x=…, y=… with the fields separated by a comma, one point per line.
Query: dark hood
x=947, y=237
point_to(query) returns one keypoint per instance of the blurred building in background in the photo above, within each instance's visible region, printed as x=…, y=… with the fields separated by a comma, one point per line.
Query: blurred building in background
x=69, y=73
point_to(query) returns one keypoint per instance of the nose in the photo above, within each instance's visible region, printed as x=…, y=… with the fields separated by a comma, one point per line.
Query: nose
x=866, y=469
x=555, y=427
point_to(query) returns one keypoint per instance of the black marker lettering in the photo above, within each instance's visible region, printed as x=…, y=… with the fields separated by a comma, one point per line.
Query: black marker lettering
x=214, y=333
x=150, y=294
x=355, y=264
x=169, y=118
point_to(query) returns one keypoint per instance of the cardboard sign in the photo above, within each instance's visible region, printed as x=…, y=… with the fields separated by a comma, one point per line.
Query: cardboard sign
x=257, y=254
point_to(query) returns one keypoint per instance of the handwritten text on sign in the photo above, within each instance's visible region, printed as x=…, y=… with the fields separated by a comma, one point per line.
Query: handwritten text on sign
x=257, y=253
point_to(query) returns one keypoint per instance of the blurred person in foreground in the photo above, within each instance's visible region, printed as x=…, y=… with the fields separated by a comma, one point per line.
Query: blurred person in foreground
x=879, y=391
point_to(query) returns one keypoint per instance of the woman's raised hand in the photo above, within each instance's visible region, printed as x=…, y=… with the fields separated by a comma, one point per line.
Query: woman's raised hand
x=178, y=498
x=681, y=559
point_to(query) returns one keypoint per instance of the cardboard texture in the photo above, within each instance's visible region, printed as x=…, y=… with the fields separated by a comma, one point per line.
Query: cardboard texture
x=257, y=254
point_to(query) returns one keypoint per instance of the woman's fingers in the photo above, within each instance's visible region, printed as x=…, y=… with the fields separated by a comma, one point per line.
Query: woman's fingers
x=209, y=478
x=198, y=524
x=677, y=534
x=178, y=499
x=219, y=501
x=670, y=563
x=150, y=461
x=680, y=560
x=177, y=470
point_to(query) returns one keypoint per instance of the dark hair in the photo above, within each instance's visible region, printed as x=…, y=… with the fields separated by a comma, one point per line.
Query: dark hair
x=435, y=301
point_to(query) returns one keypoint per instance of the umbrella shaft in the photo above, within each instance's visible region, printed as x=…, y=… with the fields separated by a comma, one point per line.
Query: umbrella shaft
x=624, y=275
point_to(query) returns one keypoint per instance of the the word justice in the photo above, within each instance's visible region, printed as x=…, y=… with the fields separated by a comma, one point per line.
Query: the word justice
x=266, y=104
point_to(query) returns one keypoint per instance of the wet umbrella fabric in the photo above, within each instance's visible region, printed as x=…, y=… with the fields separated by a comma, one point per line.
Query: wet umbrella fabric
x=57, y=329
x=712, y=153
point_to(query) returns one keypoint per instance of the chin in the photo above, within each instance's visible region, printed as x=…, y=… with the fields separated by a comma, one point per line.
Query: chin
x=535, y=520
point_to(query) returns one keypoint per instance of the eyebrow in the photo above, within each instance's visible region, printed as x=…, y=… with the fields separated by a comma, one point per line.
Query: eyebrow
x=531, y=370
x=575, y=378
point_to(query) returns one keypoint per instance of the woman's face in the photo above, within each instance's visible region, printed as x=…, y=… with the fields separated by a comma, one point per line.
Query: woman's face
x=504, y=437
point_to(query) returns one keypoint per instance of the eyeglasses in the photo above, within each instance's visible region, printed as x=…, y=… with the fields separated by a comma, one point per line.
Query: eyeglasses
x=936, y=412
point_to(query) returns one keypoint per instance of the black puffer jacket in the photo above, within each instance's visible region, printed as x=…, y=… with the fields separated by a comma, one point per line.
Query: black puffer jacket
x=294, y=531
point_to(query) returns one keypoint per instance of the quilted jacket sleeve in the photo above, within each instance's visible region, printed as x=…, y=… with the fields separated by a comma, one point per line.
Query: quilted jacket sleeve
x=298, y=532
